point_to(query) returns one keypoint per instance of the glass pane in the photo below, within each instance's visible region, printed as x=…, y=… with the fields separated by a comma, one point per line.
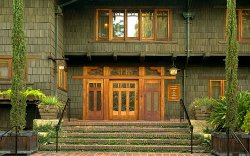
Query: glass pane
x=216, y=92
x=115, y=85
x=132, y=71
x=155, y=85
x=132, y=85
x=4, y=70
x=156, y=101
x=91, y=101
x=148, y=101
x=147, y=24
x=132, y=24
x=131, y=101
x=99, y=101
x=124, y=71
x=103, y=24
x=162, y=24
x=118, y=23
x=123, y=101
x=246, y=23
x=123, y=85
x=115, y=101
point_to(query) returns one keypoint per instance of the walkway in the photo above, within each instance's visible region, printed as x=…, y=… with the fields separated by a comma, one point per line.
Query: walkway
x=117, y=154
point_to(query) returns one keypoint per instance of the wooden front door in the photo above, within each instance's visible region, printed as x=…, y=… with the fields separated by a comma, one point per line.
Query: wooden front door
x=94, y=99
x=123, y=103
x=152, y=100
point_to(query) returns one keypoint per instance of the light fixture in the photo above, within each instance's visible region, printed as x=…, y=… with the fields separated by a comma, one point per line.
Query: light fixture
x=173, y=70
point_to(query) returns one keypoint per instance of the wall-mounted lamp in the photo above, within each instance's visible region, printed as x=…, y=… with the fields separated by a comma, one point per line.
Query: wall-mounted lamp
x=173, y=70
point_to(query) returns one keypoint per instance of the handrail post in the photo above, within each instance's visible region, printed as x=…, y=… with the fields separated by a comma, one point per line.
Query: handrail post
x=16, y=142
x=189, y=123
x=192, y=130
x=57, y=129
x=59, y=122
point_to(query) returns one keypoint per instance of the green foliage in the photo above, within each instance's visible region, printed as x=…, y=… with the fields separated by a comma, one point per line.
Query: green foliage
x=220, y=108
x=218, y=115
x=246, y=124
x=198, y=103
x=34, y=92
x=231, y=65
x=6, y=92
x=18, y=100
x=51, y=101
x=45, y=133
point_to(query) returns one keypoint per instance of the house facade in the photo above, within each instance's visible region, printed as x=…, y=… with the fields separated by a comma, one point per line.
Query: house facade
x=112, y=58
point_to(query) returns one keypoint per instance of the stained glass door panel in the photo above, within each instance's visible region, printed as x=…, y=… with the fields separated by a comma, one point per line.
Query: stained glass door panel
x=124, y=100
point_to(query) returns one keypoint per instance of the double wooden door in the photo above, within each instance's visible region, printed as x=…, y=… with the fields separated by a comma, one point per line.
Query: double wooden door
x=123, y=100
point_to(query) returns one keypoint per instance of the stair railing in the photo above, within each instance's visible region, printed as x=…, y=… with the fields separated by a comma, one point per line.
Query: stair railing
x=191, y=128
x=60, y=120
x=239, y=141
x=16, y=136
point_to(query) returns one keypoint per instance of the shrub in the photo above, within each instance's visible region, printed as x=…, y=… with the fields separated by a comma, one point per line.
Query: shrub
x=219, y=108
x=246, y=123
x=198, y=103
x=34, y=92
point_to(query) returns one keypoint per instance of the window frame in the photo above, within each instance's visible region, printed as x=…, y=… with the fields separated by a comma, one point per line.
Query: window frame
x=222, y=87
x=62, y=78
x=240, y=24
x=9, y=64
x=139, y=38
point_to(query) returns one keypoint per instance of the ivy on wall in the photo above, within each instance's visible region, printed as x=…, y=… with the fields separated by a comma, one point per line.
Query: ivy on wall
x=18, y=100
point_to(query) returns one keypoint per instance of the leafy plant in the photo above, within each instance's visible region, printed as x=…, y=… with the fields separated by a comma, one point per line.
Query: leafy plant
x=34, y=92
x=219, y=110
x=6, y=92
x=218, y=115
x=45, y=133
x=246, y=124
x=51, y=101
x=198, y=103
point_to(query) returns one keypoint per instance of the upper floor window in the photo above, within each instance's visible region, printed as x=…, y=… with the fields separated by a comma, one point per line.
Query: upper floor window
x=243, y=24
x=5, y=69
x=133, y=24
x=217, y=88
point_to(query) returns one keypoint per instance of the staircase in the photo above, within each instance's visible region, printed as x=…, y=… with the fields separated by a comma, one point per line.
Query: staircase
x=124, y=136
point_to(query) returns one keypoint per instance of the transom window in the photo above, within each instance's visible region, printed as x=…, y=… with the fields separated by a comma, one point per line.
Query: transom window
x=133, y=24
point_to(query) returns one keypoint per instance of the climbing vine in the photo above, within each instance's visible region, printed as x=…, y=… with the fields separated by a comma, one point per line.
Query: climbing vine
x=18, y=100
x=231, y=64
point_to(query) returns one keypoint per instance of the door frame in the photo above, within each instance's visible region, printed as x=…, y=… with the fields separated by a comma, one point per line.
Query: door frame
x=103, y=73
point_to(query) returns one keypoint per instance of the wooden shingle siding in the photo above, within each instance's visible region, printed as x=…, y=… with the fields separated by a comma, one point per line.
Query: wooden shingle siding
x=207, y=32
x=75, y=87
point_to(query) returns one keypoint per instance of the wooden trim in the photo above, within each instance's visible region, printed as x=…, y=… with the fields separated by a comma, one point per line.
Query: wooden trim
x=125, y=77
x=162, y=99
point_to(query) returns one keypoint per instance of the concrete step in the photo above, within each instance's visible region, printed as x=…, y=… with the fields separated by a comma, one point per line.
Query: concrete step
x=122, y=148
x=160, y=124
x=85, y=141
x=122, y=129
x=126, y=135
